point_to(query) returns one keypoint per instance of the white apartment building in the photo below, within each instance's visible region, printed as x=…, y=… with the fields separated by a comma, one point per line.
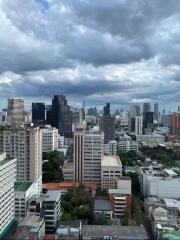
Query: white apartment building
x=111, y=171
x=49, y=138
x=151, y=140
x=23, y=192
x=88, y=153
x=138, y=125
x=8, y=174
x=26, y=145
x=51, y=209
x=110, y=148
x=126, y=146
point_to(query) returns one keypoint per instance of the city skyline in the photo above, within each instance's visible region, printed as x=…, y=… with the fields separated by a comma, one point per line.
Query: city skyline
x=126, y=52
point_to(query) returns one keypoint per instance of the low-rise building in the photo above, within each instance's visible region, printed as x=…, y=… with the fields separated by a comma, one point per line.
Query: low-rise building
x=102, y=210
x=151, y=140
x=99, y=232
x=120, y=198
x=23, y=192
x=111, y=171
x=30, y=228
x=126, y=146
x=110, y=148
x=51, y=209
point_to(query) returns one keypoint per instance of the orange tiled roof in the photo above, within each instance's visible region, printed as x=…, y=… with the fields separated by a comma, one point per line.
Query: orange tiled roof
x=63, y=185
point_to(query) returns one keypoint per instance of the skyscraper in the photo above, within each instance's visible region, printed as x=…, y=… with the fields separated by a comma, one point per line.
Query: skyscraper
x=88, y=153
x=60, y=116
x=135, y=110
x=156, y=111
x=147, y=122
x=107, y=124
x=38, y=112
x=15, y=111
x=25, y=144
x=146, y=107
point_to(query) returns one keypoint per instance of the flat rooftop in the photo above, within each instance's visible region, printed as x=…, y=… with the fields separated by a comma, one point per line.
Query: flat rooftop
x=112, y=161
x=31, y=221
x=52, y=195
x=21, y=186
x=102, y=205
x=116, y=232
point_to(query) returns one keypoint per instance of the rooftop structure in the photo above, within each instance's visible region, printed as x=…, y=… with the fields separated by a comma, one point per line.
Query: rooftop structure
x=92, y=232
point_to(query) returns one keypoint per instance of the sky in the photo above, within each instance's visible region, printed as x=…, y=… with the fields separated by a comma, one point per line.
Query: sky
x=119, y=51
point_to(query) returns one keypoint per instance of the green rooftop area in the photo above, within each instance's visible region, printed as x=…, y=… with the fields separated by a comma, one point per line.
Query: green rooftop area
x=18, y=186
x=170, y=235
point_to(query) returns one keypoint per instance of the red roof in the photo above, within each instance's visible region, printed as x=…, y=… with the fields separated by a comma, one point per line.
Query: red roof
x=65, y=185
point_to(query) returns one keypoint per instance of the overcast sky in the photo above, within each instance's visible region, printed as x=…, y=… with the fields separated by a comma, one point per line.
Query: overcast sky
x=120, y=51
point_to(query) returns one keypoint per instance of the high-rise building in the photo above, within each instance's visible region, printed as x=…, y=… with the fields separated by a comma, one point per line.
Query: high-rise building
x=148, y=122
x=146, y=107
x=15, y=111
x=156, y=111
x=25, y=144
x=176, y=124
x=107, y=110
x=8, y=176
x=135, y=111
x=88, y=153
x=166, y=120
x=38, y=112
x=138, y=125
x=92, y=112
x=78, y=115
x=60, y=116
x=49, y=138
x=107, y=124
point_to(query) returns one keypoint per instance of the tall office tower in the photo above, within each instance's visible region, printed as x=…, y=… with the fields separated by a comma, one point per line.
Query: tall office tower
x=166, y=120
x=156, y=111
x=49, y=138
x=92, y=112
x=78, y=154
x=8, y=176
x=179, y=108
x=164, y=111
x=146, y=107
x=138, y=125
x=15, y=111
x=26, y=145
x=107, y=110
x=78, y=115
x=107, y=124
x=147, y=122
x=88, y=153
x=176, y=124
x=135, y=125
x=60, y=116
x=135, y=111
x=38, y=113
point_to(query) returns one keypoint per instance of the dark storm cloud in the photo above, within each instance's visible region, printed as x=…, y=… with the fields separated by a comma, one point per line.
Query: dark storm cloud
x=133, y=48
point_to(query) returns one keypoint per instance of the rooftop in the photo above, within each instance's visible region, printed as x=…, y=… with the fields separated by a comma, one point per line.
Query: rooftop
x=102, y=205
x=31, y=221
x=4, y=159
x=52, y=195
x=66, y=185
x=112, y=161
x=116, y=232
x=21, y=186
